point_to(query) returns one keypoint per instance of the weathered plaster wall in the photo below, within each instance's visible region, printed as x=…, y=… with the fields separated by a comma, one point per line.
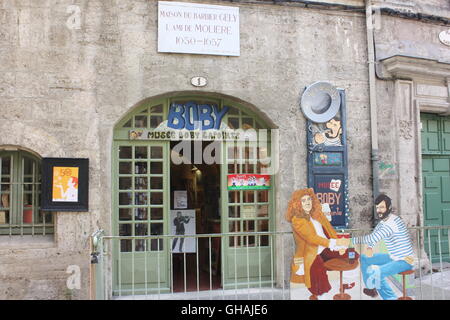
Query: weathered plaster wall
x=62, y=91
x=397, y=36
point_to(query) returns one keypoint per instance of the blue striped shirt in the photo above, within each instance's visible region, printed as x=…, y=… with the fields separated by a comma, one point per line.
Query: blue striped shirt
x=395, y=235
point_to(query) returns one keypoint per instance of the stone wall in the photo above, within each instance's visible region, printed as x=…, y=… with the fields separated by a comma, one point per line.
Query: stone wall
x=64, y=88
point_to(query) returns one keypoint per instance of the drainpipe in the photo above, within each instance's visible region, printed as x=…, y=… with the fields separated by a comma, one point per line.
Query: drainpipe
x=373, y=104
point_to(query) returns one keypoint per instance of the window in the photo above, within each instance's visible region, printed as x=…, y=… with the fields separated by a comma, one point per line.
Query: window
x=20, y=190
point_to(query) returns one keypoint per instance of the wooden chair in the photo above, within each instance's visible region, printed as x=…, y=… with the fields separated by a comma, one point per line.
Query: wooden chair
x=404, y=274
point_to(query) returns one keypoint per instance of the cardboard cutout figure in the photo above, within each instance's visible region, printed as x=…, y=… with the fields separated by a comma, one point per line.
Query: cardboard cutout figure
x=375, y=268
x=316, y=242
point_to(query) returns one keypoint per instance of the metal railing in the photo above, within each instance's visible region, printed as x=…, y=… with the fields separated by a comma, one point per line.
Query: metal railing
x=239, y=266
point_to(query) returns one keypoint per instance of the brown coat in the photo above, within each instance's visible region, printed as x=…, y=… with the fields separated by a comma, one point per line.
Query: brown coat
x=307, y=242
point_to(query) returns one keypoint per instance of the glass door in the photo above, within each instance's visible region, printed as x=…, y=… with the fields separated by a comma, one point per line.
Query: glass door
x=140, y=205
x=248, y=259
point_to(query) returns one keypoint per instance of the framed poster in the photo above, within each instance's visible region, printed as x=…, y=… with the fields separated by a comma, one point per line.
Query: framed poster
x=180, y=199
x=183, y=223
x=65, y=184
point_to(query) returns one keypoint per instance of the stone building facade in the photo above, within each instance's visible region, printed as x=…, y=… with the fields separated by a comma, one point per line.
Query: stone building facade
x=65, y=86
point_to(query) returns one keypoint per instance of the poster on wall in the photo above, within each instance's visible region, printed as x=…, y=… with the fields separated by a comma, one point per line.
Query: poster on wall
x=248, y=181
x=180, y=199
x=183, y=224
x=65, y=184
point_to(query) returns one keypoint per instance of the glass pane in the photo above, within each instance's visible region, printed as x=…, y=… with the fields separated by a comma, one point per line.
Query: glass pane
x=156, y=182
x=233, y=196
x=249, y=153
x=264, y=169
x=145, y=110
x=6, y=165
x=156, y=152
x=28, y=187
x=235, y=227
x=125, y=214
x=125, y=245
x=156, y=168
x=263, y=195
x=234, y=211
x=5, y=196
x=125, y=152
x=262, y=210
x=48, y=216
x=4, y=216
x=156, y=198
x=263, y=225
x=125, y=168
x=155, y=230
x=248, y=168
x=234, y=168
x=263, y=153
x=264, y=241
x=125, y=230
x=124, y=183
x=233, y=153
x=127, y=124
x=233, y=110
x=155, y=121
x=27, y=199
x=28, y=214
x=124, y=198
x=249, y=225
x=249, y=196
x=140, y=153
x=140, y=122
x=140, y=245
x=156, y=213
x=157, y=109
x=141, y=213
x=140, y=229
x=28, y=166
x=247, y=123
x=248, y=241
x=141, y=183
x=141, y=198
x=233, y=123
x=140, y=168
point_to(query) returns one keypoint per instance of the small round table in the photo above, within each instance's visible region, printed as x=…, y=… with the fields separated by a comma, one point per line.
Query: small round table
x=341, y=265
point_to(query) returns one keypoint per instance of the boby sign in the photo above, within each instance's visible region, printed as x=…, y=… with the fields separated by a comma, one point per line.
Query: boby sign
x=192, y=116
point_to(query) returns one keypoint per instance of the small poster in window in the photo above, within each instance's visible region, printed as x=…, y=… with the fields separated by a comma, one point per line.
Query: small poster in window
x=182, y=224
x=248, y=182
x=180, y=199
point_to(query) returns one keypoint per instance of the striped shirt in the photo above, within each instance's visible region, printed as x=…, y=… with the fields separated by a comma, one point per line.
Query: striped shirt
x=395, y=235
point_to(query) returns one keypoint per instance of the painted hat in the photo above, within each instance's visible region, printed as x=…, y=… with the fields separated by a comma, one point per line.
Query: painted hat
x=320, y=102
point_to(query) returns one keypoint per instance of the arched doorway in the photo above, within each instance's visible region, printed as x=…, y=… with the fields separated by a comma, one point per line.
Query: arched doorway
x=149, y=187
